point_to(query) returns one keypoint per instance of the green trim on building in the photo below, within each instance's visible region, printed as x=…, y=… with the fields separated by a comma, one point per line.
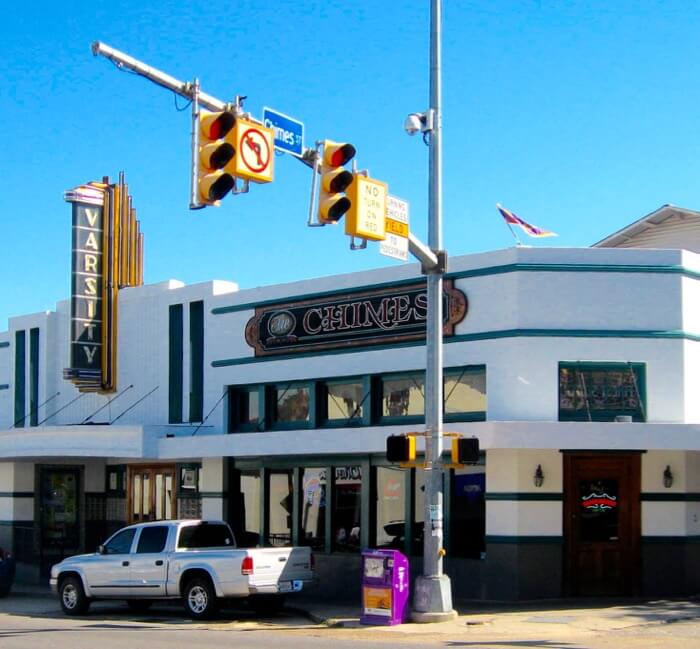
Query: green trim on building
x=477, y=272
x=671, y=539
x=530, y=495
x=175, y=363
x=16, y=494
x=34, y=376
x=20, y=379
x=4, y=344
x=210, y=494
x=196, y=361
x=4, y=386
x=554, y=540
x=670, y=497
x=486, y=335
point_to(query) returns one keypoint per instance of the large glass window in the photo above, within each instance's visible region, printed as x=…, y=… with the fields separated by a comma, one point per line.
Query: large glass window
x=313, y=508
x=601, y=392
x=347, y=501
x=152, y=539
x=244, y=501
x=390, y=507
x=345, y=401
x=403, y=395
x=465, y=392
x=468, y=512
x=279, y=507
x=291, y=404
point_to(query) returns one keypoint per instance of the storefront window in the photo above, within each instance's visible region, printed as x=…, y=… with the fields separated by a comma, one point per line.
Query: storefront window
x=468, y=513
x=345, y=401
x=418, y=512
x=244, y=517
x=313, y=508
x=390, y=523
x=291, y=404
x=347, y=500
x=279, y=508
x=589, y=392
x=465, y=391
x=403, y=396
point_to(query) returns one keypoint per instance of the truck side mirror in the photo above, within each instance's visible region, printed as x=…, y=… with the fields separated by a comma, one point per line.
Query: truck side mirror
x=101, y=549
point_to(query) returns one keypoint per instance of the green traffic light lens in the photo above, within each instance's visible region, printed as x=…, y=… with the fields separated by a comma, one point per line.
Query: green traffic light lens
x=222, y=186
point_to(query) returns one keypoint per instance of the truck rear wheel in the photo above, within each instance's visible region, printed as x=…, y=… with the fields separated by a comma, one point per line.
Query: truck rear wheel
x=72, y=595
x=199, y=599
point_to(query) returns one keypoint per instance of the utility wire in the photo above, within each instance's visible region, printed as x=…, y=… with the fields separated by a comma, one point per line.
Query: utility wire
x=221, y=398
x=102, y=407
x=148, y=394
x=19, y=421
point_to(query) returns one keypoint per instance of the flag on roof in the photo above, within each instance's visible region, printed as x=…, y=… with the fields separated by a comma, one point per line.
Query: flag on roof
x=514, y=219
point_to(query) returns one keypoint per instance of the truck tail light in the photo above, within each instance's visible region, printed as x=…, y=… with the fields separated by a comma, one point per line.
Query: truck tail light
x=247, y=566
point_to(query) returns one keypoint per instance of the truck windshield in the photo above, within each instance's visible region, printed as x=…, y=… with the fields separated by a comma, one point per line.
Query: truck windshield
x=205, y=535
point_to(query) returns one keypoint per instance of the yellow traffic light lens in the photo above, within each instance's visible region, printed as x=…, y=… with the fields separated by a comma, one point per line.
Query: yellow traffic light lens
x=217, y=156
x=337, y=181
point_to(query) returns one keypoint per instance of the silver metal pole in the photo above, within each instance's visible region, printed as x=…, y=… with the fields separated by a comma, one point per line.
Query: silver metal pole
x=433, y=595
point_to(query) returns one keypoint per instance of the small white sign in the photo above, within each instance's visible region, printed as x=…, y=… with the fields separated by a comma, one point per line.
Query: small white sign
x=395, y=243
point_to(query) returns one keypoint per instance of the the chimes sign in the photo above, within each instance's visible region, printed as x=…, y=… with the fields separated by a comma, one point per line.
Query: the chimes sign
x=107, y=255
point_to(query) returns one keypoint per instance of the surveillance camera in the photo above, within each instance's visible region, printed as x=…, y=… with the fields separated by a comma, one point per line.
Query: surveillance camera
x=413, y=123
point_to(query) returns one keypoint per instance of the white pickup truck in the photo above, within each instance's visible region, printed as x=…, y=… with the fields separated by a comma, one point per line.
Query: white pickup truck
x=195, y=561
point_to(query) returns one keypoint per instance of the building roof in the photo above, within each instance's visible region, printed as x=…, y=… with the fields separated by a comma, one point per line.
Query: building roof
x=667, y=227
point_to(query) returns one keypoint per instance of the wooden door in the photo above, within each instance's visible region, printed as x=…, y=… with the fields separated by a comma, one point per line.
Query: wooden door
x=152, y=493
x=602, y=524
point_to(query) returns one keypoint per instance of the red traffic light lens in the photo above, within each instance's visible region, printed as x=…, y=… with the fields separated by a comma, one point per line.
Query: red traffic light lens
x=341, y=155
x=220, y=126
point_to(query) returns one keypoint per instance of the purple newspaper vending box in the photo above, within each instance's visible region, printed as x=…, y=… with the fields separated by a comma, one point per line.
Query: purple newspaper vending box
x=384, y=587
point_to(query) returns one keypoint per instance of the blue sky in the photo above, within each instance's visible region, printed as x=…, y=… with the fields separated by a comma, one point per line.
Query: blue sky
x=579, y=116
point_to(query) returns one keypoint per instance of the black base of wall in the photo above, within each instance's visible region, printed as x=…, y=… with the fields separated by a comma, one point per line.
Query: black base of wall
x=670, y=568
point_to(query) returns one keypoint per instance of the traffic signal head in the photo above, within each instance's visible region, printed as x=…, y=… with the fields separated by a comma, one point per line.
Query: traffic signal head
x=332, y=202
x=215, y=152
x=465, y=450
x=400, y=448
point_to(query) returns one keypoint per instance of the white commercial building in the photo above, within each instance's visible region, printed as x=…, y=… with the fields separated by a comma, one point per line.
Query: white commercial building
x=577, y=369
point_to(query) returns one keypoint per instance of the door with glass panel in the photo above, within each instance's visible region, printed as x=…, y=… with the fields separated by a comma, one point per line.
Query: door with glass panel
x=602, y=525
x=152, y=493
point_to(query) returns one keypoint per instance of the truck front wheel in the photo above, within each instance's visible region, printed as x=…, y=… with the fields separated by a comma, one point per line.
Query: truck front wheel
x=199, y=599
x=73, y=599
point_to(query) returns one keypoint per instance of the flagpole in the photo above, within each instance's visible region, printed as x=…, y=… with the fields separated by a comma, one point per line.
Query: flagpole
x=515, y=236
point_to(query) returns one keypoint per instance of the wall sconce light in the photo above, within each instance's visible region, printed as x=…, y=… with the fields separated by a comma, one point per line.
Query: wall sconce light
x=668, y=477
x=538, y=478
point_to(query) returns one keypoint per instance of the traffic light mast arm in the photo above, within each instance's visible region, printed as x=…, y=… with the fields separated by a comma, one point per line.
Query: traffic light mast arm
x=182, y=88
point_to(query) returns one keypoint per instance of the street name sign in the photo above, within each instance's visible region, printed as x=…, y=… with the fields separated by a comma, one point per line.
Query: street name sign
x=289, y=132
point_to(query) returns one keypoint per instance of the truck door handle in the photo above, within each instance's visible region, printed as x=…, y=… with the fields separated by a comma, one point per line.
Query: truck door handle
x=159, y=562
x=125, y=563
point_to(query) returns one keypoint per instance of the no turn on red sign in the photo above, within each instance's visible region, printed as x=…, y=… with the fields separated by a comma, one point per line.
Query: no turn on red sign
x=254, y=159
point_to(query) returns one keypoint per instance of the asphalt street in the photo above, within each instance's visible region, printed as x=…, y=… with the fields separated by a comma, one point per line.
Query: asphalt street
x=29, y=621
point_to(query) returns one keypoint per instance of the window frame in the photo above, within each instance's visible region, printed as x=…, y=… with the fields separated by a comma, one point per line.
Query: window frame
x=639, y=370
x=271, y=402
x=389, y=420
x=474, y=415
x=362, y=421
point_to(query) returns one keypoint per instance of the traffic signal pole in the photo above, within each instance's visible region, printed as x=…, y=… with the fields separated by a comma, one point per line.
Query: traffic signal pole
x=432, y=600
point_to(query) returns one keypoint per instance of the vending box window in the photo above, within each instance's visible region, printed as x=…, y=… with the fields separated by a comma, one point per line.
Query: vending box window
x=385, y=587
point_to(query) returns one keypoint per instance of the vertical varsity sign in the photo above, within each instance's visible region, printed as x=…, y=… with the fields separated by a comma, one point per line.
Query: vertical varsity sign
x=107, y=256
x=87, y=287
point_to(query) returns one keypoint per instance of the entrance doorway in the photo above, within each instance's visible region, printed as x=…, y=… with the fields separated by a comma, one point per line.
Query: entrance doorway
x=152, y=493
x=59, y=506
x=602, y=524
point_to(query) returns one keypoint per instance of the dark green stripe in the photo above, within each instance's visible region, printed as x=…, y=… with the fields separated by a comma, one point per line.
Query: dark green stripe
x=16, y=494
x=530, y=495
x=671, y=497
x=17, y=523
x=4, y=344
x=208, y=494
x=20, y=378
x=4, y=386
x=175, y=345
x=196, y=360
x=33, y=376
x=524, y=539
x=487, y=335
x=671, y=539
x=477, y=272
